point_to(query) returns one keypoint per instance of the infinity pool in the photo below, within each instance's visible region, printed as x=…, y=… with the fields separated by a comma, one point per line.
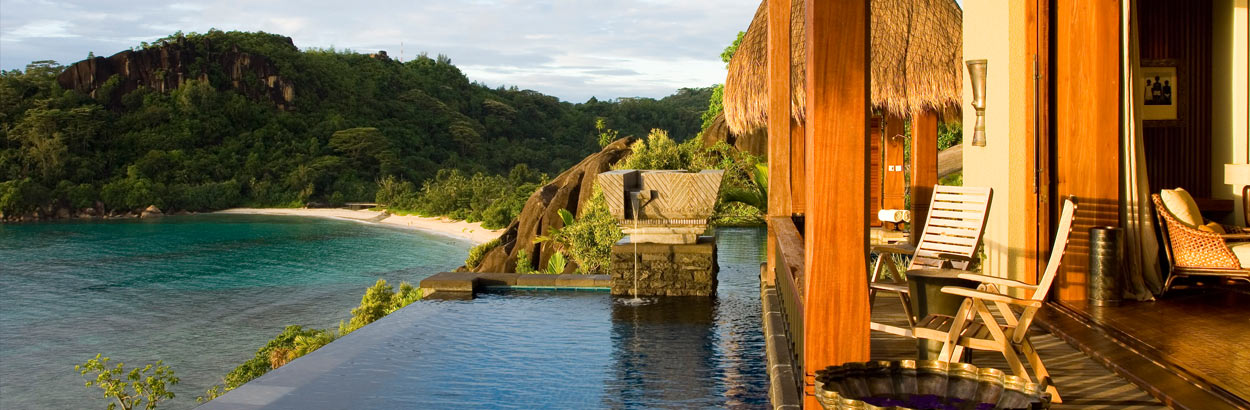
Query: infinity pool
x=544, y=349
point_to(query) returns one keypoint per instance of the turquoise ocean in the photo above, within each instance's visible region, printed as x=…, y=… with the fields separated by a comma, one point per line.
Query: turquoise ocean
x=201, y=292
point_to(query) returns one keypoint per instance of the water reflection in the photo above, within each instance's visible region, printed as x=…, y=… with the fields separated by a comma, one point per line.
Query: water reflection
x=694, y=351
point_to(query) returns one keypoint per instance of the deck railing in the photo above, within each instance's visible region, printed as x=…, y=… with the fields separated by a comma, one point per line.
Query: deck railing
x=789, y=276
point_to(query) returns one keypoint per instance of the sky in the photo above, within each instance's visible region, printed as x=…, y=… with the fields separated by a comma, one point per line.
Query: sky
x=570, y=49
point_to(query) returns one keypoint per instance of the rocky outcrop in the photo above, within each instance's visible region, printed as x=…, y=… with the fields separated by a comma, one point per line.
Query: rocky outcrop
x=541, y=214
x=754, y=142
x=164, y=68
x=151, y=212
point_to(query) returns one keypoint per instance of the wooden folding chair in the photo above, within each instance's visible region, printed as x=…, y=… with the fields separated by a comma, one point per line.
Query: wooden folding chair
x=975, y=327
x=951, y=237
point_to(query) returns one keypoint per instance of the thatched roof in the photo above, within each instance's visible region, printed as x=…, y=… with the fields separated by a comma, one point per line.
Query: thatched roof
x=917, y=52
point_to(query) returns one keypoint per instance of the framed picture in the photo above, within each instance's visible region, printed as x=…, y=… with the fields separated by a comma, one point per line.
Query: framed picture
x=1161, y=92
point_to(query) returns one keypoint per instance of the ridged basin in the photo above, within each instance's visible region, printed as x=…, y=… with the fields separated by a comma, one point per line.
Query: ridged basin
x=908, y=384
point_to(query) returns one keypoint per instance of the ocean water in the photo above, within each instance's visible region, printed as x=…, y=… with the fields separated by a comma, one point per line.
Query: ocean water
x=200, y=292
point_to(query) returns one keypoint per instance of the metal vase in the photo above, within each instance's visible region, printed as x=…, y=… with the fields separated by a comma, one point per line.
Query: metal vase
x=976, y=73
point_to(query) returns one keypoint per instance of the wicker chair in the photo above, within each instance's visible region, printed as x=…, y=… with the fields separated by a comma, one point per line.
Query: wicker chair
x=1194, y=252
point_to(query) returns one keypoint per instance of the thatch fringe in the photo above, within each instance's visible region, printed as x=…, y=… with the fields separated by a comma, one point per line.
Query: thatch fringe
x=917, y=52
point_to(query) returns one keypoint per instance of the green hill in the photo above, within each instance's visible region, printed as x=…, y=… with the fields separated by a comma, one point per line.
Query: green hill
x=208, y=121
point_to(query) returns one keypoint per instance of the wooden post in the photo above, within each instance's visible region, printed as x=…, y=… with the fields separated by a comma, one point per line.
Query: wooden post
x=1087, y=127
x=923, y=168
x=779, y=144
x=836, y=311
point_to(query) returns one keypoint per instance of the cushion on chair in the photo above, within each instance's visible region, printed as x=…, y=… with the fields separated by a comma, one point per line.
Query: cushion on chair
x=1212, y=227
x=1242, y=250
x=1183, y=206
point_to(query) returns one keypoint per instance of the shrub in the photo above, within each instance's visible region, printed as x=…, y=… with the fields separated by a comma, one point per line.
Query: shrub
x=379, y=300
x=589, y=239
x=22, y=196
x=478, y=252
x=523, y=263
x=260, y=363
x=144, y=387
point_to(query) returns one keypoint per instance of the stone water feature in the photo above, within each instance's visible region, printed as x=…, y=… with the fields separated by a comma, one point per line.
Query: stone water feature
x=664, y=215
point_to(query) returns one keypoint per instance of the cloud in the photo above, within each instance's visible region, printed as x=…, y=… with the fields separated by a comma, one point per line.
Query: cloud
x=572, y=49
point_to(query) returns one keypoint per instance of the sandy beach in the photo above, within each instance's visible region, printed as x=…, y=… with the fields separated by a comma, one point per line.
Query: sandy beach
x=472, y=231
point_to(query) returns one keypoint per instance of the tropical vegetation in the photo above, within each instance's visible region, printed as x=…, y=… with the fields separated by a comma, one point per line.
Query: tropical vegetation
x=356, y=122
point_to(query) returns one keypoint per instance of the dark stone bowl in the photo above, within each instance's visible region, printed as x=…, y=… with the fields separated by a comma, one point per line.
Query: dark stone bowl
x=924, y=385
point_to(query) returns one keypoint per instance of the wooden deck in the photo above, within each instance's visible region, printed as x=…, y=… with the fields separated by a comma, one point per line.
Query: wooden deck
x=1083, y=383
x=1196, y=336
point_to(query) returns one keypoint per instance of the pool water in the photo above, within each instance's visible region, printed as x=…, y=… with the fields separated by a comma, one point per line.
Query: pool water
x=544, y=349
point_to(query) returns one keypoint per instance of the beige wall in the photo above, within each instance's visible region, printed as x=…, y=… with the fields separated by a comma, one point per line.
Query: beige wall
x=991, y=28
x=1229, y=97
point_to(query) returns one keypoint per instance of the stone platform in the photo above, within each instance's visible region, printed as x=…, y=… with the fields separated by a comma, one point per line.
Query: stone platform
x=665, y=269
x=462, y=285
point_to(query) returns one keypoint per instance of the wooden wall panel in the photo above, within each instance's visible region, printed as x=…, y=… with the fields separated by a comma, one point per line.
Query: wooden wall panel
x=875, y=171
x=1087, y=126
x=892, y=184
x=1180, y=156
x=836, y=236
x=1038, y=234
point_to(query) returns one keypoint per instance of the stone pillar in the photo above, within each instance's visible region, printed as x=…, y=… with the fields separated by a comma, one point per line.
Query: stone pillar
x=665, y=269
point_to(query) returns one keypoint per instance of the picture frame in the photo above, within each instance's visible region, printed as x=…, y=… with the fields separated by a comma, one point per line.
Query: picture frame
x=1161, y=93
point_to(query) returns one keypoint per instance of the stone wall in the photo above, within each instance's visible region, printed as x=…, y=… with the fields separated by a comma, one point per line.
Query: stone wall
x=665, y=270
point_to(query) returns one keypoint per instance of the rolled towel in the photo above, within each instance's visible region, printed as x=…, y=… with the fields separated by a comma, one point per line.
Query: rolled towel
x=894, y=215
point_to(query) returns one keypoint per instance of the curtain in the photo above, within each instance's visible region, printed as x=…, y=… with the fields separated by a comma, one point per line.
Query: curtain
x=1141, y=245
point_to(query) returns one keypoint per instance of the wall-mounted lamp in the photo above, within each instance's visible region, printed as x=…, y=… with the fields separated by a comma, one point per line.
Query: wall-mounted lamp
x=976, y=72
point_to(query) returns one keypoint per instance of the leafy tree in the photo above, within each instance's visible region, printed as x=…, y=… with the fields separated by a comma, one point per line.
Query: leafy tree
x=137, y=388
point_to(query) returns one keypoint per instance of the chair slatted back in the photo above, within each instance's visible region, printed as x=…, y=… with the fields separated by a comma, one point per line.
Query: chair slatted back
x=957, y=217
x=1052, y=267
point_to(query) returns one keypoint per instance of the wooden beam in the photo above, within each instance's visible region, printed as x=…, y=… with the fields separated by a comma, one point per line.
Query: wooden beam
x=1087, y=127
x=836, y=311
x=779, y=139
x=924, y=153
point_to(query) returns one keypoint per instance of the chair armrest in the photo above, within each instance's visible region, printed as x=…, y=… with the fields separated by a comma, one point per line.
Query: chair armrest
x=901, y=249
x=1236, y=237
x=996, y=281
x=993, y=297
x=889, y=287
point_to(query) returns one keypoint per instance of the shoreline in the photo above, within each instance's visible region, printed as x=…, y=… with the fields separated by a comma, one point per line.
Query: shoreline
x=470, y=231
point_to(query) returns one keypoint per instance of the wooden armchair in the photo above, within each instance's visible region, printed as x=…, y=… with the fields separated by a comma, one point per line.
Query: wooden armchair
x=1192, y=251
x=952, y=235
x=976, y=327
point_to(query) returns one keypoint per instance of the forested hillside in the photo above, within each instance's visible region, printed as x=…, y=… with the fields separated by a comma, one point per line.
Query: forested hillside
x=228, y=118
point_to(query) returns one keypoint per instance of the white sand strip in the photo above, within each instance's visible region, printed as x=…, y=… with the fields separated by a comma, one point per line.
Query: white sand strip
x=472, y=231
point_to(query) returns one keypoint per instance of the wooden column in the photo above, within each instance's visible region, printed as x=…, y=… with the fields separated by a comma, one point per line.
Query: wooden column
x=836, y=312
x=892, y=185
x=924, y=152
x=779, y=140
x=1087, y=127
